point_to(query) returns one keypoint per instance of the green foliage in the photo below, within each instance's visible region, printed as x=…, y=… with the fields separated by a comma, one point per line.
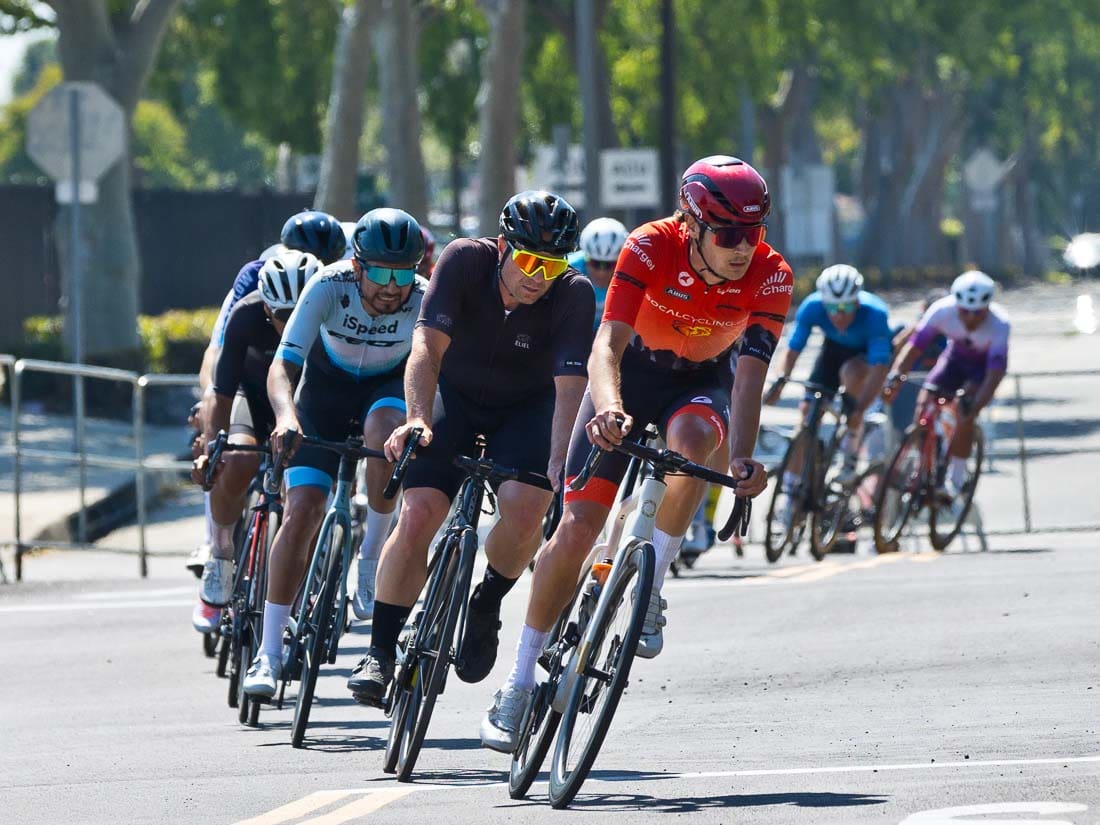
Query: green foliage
x=38, y=55
x=173, y=342
x=16, y=165
x=160, y=149
x=21, y=16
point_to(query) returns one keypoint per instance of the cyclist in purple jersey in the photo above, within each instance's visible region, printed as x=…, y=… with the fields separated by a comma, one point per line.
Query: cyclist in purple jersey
x=976, y=358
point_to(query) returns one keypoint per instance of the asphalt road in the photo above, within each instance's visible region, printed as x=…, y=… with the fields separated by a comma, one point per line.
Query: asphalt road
x=862, y=689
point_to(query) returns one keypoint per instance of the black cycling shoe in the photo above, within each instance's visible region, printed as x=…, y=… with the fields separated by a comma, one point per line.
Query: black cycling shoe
x=479, y=645
x=371, y=677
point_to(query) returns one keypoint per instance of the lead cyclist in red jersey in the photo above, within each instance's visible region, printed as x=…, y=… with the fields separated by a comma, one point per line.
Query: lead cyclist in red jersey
x=687, y=290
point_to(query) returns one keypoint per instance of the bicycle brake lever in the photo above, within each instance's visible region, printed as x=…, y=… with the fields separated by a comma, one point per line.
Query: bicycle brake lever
x=738, y=519
x=398, y=474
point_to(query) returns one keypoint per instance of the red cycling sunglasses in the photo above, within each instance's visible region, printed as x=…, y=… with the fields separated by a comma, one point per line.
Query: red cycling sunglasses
x=728, y=237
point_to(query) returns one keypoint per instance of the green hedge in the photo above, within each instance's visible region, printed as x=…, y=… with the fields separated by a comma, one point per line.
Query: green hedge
x=170, y=343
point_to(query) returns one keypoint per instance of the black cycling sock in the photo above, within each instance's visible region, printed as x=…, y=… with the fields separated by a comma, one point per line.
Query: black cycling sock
x=491, y=591
x=389, y=620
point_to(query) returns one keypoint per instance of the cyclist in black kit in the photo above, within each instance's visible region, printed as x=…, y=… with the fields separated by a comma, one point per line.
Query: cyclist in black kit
x=504, y=333
x=239, y=404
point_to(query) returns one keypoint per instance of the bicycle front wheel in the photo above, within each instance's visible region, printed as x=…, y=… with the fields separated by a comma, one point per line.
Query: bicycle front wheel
x=786, y=514
x=536, y=733
x=900, y=492
x=318, y=611
x=945, y=519
x=598, y=688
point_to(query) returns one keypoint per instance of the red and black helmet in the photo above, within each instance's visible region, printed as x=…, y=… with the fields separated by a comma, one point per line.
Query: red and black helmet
x=724, y=190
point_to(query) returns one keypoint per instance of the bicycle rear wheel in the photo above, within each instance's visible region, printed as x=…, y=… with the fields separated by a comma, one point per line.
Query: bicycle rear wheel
x=945, y=519
x=900, y=492
x=597, y=690
x=314, y=631
x=786, y=513
x=536, y=733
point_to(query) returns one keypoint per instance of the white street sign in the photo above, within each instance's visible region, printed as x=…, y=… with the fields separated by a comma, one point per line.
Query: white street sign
x=102, y=131
x=88, y=191
x=629, y=178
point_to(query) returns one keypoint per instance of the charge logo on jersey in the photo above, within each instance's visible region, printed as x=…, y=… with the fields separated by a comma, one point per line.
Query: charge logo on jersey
x=692, y=331
x=635, y=246
x=778, y=282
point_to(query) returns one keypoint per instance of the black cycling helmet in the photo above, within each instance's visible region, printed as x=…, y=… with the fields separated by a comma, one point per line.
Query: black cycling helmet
x=540, y=221
x=317, y=233
x=388, y=236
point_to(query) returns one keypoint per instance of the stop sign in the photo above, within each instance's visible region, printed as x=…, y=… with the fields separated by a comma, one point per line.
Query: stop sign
x=102, y=131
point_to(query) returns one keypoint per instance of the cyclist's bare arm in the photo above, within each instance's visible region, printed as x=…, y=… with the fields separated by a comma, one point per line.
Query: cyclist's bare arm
x=902, y=364
x=421, y=381
x=786, y=367
x=568, y=390
x=282, y=378
x=217, y=416
x=604, y=382
x=206, y=371
x=876, y=375
x=986, y=391
x=748, y=386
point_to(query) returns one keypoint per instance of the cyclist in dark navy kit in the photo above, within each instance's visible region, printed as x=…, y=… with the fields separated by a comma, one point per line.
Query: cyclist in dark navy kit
x=240, y=405
x=504, y=333
x=317, y=233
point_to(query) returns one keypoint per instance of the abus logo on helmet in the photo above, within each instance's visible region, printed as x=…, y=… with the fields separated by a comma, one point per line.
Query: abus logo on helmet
x=693, y=205
x=779, y=282
x=752, y=207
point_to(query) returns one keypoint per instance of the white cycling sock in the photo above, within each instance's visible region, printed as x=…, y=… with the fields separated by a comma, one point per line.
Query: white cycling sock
x=209, y=519
x=530, y=647
x=790, y=481
x=667, y=548
x=957, y=470
x=221, y=545
x=276, y=618
x=375, y=533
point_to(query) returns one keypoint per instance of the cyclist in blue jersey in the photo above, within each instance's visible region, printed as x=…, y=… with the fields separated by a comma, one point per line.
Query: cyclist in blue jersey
x=602, y=240
x=352, y=332
x=856, y=352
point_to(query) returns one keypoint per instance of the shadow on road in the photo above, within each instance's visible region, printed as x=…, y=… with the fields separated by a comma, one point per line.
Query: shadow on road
x=692, y=804
x=474, y=777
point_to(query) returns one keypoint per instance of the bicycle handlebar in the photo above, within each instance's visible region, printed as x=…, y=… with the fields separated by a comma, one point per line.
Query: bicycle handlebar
x=668, y=461
x=398, y=474
x=489, y=470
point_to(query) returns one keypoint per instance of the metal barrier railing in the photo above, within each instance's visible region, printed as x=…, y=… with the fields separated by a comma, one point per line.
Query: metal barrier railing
x=140, y=464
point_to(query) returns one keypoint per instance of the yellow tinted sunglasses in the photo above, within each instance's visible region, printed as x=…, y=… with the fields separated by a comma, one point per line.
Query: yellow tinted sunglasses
x=530, y=263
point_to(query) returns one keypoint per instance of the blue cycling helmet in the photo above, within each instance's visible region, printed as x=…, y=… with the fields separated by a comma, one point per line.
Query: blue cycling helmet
x=317, y=233
x=388, y=236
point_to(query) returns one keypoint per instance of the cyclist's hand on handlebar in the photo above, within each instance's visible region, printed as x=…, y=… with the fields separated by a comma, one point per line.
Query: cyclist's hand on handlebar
x=285, y=439
x=199, y=468
x=395, y=444
x=771, y=397
x=754, y=478
x=608, y=428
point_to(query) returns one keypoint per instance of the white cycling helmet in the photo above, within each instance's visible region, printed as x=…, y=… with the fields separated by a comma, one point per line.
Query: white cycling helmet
x=839, y=283
x=973, y=290
x=284, y=276
x=602, y=239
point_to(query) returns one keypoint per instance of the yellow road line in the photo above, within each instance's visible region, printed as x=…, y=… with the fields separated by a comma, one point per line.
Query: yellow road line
x=360, y=807
x=925, y=556
x=298, y=808
x=794, y=570
x=826, y=572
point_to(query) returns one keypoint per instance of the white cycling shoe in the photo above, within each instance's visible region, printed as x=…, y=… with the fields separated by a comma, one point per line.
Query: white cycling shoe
x=652, y=640
x=501, y=724
x=217, y=582
x=263, y=677
x=363, y=603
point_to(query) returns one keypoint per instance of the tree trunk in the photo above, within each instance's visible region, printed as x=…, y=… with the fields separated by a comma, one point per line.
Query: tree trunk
x=395, y=39
x=118, y=52
x=498, y=101
x=908, y=142
x=336, y=188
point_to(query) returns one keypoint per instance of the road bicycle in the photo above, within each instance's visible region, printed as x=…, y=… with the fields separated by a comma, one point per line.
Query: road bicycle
x=915, y=475
x=321, y=609
x=822, y=491
x=242, y=623
x=592, y=646
x=428, y=648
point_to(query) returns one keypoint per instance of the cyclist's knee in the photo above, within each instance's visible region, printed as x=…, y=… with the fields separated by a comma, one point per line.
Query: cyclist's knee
x=523, y=507
x=578, y=529
x=693, y=437
x=238, y=471
x=379, y=424
x=305, y=508
x=422, y=511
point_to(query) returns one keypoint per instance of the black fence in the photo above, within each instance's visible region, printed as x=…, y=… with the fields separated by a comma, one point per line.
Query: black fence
x=192, y=245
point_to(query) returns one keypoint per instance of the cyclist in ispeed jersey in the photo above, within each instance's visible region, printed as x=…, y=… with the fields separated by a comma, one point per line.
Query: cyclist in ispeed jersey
x=976, y=358
x=317, y=233
x=856, y=353
x=686, y=291
x=240, y=405
x=602, y=240
x=503, y=333
x=352, y=332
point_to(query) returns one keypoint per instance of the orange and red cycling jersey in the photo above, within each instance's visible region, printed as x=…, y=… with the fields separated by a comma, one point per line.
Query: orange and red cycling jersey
x=682, y=323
